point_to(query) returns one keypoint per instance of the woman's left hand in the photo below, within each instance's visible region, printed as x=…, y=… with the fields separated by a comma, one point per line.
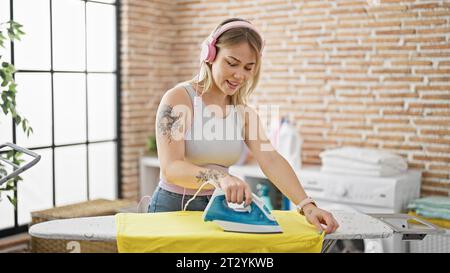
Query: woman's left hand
x=317, y=217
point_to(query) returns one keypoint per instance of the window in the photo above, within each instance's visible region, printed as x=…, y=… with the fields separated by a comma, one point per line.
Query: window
x=67, y=76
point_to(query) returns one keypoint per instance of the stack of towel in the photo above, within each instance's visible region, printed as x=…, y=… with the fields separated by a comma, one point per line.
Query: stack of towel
x=432, y=207
x=362, y=161
x=435, y=209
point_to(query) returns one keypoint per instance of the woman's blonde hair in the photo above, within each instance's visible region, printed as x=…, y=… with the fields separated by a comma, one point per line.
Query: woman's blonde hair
x=232, y=37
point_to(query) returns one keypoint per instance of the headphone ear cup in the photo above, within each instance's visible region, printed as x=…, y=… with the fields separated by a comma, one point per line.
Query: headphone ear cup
x=211, y=52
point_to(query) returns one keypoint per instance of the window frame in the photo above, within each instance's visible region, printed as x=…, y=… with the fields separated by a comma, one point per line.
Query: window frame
x=117, y=139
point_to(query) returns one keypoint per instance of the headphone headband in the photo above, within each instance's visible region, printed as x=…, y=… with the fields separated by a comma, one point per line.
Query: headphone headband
x=234, y=24
x=209, y=50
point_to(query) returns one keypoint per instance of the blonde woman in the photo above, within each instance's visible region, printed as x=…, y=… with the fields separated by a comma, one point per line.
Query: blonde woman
x=204, y=124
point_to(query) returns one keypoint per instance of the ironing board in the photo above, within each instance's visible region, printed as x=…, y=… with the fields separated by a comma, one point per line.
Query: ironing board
x=353, y=225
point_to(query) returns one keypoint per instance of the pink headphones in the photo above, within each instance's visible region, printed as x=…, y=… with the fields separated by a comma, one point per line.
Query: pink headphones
x=209, y=50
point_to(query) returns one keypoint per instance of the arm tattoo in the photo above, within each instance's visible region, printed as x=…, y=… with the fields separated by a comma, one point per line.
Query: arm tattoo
x=169, y=122
x=210, y=174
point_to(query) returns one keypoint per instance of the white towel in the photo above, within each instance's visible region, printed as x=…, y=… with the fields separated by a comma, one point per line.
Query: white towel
x=361, y=172
x=352, y=164
x=367, y=156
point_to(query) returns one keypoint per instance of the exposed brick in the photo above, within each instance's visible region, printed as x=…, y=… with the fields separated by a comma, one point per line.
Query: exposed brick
x=396, y=129
x=439, y=79
x=444, y=63
x=415, y=165
x=348, y=73
x=440, y=167
x=441, y=46
x=436, y=97
x=389, y=121
x=398, y=95
x=435, y=13
x=396, y=32
x=424, y=6
x=397, y=15
x=435, y=175
x=433, y=88
x=432, y=55
x=424, y=40
x=383, y=24
x=396, y=48
x=425, y=22
x=435, y=132
x=343, y=135
x=434, y=122
x=359, y=144
x=430, y=140
x=402, y=112
x=429, y=105
x=403, y=79
x=402, y=147
x=391, y=71
x=384, y=103
x=388, y=8
x=433, y=71
x=432, y=158
x=438, y=113
x=383, y=40
x=412, y=63
x=382, y=138
x=427, y=192
x=443, y=150
x=438, y=30
x=347, y=11
x=428, y=183
x=353, y=127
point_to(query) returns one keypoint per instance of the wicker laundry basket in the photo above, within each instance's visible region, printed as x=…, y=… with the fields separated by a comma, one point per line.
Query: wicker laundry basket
x=432, y=244
x=98, y=207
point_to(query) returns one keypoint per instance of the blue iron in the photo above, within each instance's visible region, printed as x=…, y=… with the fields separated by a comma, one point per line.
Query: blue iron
x=254, y=218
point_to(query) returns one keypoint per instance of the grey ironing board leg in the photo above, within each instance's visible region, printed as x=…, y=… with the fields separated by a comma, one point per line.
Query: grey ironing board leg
x=327, y=245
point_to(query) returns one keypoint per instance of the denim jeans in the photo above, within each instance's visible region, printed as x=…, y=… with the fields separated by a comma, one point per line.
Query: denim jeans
x=163, y=201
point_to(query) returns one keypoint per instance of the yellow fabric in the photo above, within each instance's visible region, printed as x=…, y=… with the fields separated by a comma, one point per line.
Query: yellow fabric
x=186, y=232
x=436, y=221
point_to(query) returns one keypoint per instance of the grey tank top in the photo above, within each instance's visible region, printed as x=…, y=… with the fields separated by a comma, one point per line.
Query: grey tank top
x=213, y=140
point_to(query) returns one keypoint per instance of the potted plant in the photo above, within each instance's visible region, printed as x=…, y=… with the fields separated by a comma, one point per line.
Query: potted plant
x=151, y=146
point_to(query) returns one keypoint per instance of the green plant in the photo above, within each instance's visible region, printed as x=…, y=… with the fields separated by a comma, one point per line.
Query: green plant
x=7, y=70
x=151, y=144
x=8, y=101
x=13, y=157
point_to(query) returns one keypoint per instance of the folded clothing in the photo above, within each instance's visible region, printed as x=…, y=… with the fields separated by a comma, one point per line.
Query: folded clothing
x=353, y=164
x=360, y=172
x=369, y=156
x=362, y=161
x=435, y=221
x=433, y=202
x=432, y=207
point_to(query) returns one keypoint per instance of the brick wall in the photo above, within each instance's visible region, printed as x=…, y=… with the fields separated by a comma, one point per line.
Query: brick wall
x=349, y=72
x=147, y=33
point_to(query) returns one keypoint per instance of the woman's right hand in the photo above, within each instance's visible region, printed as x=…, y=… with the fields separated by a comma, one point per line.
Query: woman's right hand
x=236, y=190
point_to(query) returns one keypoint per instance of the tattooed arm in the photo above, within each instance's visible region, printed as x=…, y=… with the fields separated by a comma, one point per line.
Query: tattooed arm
x=210, y=175
x=173, y=117
x=169, y=122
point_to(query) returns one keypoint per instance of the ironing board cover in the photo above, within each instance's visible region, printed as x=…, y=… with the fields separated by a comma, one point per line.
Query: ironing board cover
x=186, y=232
